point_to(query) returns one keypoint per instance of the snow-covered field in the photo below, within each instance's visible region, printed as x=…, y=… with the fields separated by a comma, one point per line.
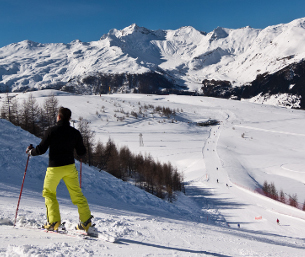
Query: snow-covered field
x=253, y=143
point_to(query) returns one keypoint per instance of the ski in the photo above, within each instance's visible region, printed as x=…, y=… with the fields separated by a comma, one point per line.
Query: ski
x=92, y=233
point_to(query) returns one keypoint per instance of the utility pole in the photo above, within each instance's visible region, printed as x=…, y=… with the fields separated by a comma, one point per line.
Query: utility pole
x=141, y=140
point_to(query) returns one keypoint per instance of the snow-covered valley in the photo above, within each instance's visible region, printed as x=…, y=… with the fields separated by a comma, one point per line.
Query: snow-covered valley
x=222, y=165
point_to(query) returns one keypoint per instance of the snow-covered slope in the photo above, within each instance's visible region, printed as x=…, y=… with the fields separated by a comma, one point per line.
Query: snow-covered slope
x=253, y=143
x=185, y=56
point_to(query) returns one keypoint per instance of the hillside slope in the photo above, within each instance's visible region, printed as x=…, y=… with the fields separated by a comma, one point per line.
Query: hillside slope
x=205, y=221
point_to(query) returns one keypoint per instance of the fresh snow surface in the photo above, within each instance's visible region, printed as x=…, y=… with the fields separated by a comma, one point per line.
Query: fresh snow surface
x=186, y=56
x=253, y=143
x=287, y=100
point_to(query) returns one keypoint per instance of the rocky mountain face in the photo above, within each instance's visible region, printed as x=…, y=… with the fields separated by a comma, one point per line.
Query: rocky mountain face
x=286, y=85
x=231, y=63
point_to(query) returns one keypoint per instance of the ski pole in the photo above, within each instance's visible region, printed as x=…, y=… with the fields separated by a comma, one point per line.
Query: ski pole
x=26, y=167
x=80, y=174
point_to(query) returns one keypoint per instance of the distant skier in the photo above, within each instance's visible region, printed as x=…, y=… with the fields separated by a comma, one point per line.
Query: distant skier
x=278, y=222
x=61, y=140
x=238, y=225
x=217, y=180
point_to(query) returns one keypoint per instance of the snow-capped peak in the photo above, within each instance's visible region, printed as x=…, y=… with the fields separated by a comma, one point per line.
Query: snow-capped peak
x=218, y=33
x=133, y=29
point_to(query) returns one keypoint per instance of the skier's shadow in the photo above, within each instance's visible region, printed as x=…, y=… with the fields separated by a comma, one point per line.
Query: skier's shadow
x=129, y=241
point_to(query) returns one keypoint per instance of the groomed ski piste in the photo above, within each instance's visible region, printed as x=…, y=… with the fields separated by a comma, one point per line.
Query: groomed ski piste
x=253, y=143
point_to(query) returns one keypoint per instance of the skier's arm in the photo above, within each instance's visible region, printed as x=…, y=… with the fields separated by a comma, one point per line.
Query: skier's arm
x=80, y=147
x=43, y=146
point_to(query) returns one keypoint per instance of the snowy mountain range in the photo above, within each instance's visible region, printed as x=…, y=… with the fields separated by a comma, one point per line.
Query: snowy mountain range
x=224, y=62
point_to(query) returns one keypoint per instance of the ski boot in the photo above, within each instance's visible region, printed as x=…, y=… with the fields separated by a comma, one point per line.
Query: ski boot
x=88, y=227
x=52, y=226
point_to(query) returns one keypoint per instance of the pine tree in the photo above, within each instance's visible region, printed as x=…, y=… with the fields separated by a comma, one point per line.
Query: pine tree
x=30, y=115
x=273, y=192
x=160, y=180
x=282, y=197
x=293, y=200
x=3, y=112
x=266, y=188
x=125, y=161
x=34, y=113
x=9, y=109
x=88, y=137
x=112, y=159
x=24, y=116
x=50, y=110
x=138, y=163
x=98, y=155
x=15, y=111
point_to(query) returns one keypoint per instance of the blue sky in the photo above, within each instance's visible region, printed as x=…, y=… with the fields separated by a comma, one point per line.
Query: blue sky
x=55, y=21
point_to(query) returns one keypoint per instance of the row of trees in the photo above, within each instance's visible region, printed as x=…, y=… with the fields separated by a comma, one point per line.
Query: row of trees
x=29, y=115
x=143, y=111
x=270, y=190
x=159, y=179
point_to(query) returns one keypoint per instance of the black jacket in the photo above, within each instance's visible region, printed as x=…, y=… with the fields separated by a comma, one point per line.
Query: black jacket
x=62, y=139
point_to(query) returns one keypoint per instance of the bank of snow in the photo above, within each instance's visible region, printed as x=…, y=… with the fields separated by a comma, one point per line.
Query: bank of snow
x=202, y=223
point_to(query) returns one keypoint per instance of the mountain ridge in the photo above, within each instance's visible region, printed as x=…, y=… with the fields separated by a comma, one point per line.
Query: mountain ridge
x=185, y=57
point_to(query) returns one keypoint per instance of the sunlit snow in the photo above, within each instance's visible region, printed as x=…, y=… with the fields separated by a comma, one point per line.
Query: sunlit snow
x=253, y=143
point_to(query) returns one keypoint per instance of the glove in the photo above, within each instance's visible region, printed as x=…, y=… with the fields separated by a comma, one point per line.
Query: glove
x=29, y=149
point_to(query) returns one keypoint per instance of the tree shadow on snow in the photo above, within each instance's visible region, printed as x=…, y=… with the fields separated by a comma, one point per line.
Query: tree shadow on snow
x=203, y=198
x=264, y=237
x=128, y=241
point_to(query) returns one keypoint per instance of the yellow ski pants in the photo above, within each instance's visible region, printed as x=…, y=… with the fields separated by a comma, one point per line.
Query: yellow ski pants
x=69, y=175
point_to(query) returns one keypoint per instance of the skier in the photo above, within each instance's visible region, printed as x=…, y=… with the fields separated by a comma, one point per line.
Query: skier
x=278, y=222
x=61, y=140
